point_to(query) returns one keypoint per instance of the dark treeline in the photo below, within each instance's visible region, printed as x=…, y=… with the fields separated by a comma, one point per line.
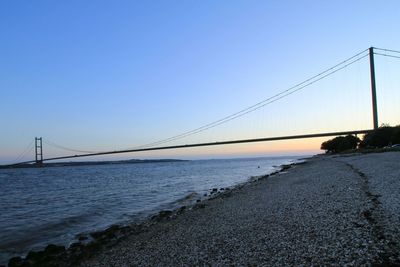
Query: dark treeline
x=384, y=136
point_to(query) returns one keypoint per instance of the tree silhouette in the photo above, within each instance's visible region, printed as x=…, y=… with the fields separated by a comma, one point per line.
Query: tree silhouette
x=381, y=137
x=340, y=143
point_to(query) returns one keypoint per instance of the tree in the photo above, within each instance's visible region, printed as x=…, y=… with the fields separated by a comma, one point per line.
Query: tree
x=340, y=143
x=378, y=138
x=396, y=135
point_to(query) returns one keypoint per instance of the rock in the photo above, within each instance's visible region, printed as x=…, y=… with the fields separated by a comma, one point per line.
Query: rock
x=75, y=246
x=181, y=210
x=15, y=262
x=110, y=232
x=226, y=194
x=264, y=176
x=93, y=246
x=96, y=235
x=286, y=166
x=82, y=238
x=214, y=190
x=165, y=213
x=45, y=257
x=54, y=249
x=200, y=206
x=162, y=215
x=35, y=255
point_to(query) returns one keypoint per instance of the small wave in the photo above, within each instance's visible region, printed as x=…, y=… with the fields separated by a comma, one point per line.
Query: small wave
x=34, y=236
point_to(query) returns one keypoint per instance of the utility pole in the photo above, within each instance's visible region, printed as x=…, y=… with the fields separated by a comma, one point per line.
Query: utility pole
x=373, y=87
x=38, y=151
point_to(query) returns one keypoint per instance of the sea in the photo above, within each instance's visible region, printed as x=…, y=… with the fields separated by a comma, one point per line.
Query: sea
x=41, y=206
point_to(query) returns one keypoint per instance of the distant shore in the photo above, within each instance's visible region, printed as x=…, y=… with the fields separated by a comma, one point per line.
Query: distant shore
x=89, y=163
x=330, y=210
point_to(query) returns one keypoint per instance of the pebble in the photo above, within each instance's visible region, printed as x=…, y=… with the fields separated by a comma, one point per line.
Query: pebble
x=305, y=216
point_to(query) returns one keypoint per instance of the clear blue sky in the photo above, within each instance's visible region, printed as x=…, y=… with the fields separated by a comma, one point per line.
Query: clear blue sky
x=104, y=75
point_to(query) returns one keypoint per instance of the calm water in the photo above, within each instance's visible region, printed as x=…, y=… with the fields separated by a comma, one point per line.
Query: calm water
x=53, y=205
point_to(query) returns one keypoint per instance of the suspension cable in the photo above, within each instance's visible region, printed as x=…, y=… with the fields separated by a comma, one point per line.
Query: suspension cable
x=386, y=55
x=265, y=102
x=66, y=148
x=387, y=50
x=25, y=151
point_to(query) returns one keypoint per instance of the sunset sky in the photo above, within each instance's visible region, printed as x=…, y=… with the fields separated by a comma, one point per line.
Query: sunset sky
x=110, y=75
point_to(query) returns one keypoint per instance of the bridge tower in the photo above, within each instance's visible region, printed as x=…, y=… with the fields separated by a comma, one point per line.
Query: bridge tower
x=38, y=150
x=373, y=88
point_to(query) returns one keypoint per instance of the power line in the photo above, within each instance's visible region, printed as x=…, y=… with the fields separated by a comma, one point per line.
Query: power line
x=265, y=102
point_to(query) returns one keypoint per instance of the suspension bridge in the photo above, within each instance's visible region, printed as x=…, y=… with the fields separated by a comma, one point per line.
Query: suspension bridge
x=163, y=144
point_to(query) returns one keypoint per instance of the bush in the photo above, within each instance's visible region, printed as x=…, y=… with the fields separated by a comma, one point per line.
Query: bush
x=340, y=143
x=396, y=135
x=381, y=137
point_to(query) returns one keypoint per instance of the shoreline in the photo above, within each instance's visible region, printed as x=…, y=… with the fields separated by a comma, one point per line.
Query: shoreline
x=86, y=243
x=328, y=210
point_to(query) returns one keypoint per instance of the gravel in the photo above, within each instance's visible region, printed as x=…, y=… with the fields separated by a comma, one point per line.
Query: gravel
x=336, y=211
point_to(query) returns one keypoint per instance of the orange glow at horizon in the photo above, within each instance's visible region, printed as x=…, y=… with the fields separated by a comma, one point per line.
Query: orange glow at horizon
x=284, y=147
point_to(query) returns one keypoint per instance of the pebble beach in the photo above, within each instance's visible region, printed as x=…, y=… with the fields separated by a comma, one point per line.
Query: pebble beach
x=327, y=211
